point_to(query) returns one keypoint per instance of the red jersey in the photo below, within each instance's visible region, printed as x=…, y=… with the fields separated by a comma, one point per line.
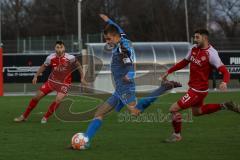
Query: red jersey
x=202, y=62
x=62, y=68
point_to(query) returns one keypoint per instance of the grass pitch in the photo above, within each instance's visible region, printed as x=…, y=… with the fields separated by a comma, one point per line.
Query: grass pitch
x=215, y=136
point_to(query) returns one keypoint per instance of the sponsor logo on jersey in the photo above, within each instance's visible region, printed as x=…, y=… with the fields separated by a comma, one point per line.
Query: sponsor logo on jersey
x=196, y=61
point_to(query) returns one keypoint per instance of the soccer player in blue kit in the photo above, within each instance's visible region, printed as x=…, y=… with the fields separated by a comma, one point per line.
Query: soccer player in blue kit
x=122, y=68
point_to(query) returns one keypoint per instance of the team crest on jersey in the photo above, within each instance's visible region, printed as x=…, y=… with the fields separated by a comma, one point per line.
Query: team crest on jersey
x=203, y=58
x=194, y=53
x=207, y=53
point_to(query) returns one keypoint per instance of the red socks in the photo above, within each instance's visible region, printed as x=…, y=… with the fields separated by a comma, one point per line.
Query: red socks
x=206, y=109
x=177, y=122
x=33, y=103
x=210, y=108
x=51, y=109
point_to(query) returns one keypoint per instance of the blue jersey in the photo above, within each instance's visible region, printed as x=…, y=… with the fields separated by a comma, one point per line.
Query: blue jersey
x=120, y=69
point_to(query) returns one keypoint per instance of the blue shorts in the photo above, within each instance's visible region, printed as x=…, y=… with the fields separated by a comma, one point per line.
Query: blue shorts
x=119, y=99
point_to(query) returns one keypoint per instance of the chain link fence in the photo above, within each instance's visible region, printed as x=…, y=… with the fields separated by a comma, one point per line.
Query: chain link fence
x=45, y=44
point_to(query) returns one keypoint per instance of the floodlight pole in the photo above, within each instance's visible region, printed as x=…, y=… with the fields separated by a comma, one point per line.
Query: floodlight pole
x=1, y=53
x=79, y=26
x=186, y=19
x=208, y=15
x=0, y=24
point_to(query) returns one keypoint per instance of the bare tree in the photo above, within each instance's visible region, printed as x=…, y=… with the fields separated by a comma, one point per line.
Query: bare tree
x=14, y=14
x=143, y=20
x=227, y=15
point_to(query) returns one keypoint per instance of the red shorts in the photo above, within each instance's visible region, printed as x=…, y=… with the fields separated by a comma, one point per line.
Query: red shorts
x=192, y=99
x=50, y=86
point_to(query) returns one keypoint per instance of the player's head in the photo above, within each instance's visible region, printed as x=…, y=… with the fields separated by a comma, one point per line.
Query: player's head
x=111, y=34
x=201, y=37
x=59, y=47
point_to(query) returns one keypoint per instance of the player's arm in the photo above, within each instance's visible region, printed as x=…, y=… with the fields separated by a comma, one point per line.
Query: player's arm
x=42, y=68
x=80, y=70
x=109, y=21
x=215, y=60
x=127, y=53
x=226, y=77
x=130, y=75
x=180, y=65
x=39, y=72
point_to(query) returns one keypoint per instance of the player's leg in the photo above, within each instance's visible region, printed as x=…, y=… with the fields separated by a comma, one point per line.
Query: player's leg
x=119, y=106
x=211, y=108
x=96, y=123
x=53, y=106
x=128, y=98
x=132, y=108
x=43, y=91
x=206, y=109
x=145, y=102
x=231, y=106
x=102, y=110
x=191, y=98
x=202, y=109
x=176, y=123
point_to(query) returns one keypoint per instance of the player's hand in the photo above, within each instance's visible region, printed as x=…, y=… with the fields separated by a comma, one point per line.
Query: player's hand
x=84, y=82
x=126, y=79
x=34, y=80
x=223, y=86
x=104, y=17
x=164, y=76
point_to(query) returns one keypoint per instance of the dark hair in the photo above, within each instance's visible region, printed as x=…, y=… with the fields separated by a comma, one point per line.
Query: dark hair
x=59, y=42
x=202, y=32
x=110, y=29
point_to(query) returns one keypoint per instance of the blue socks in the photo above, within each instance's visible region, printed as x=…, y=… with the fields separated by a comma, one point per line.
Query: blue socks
x=93, y=127
x=145, y=102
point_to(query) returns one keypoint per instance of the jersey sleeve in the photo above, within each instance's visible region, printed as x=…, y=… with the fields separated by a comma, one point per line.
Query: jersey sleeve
x=47, y=62
x=120, y=30
x=126, y=47
x=214, y=59
x=72, y=59
x=188, y=55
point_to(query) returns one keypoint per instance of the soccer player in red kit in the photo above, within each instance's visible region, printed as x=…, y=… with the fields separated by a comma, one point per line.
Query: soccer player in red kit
x=203, y=58
x=59, y=80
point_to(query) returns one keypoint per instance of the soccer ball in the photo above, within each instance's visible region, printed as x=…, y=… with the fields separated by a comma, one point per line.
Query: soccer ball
x=79, y=141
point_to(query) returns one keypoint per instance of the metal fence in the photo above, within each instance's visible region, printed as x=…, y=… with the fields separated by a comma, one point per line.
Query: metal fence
x=45, y=44
x=226, y=43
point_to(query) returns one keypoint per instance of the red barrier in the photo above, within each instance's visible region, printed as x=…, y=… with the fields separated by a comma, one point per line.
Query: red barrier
x=1, y=73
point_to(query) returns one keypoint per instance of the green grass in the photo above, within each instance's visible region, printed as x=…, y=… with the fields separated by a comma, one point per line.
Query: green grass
x=215, y=136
